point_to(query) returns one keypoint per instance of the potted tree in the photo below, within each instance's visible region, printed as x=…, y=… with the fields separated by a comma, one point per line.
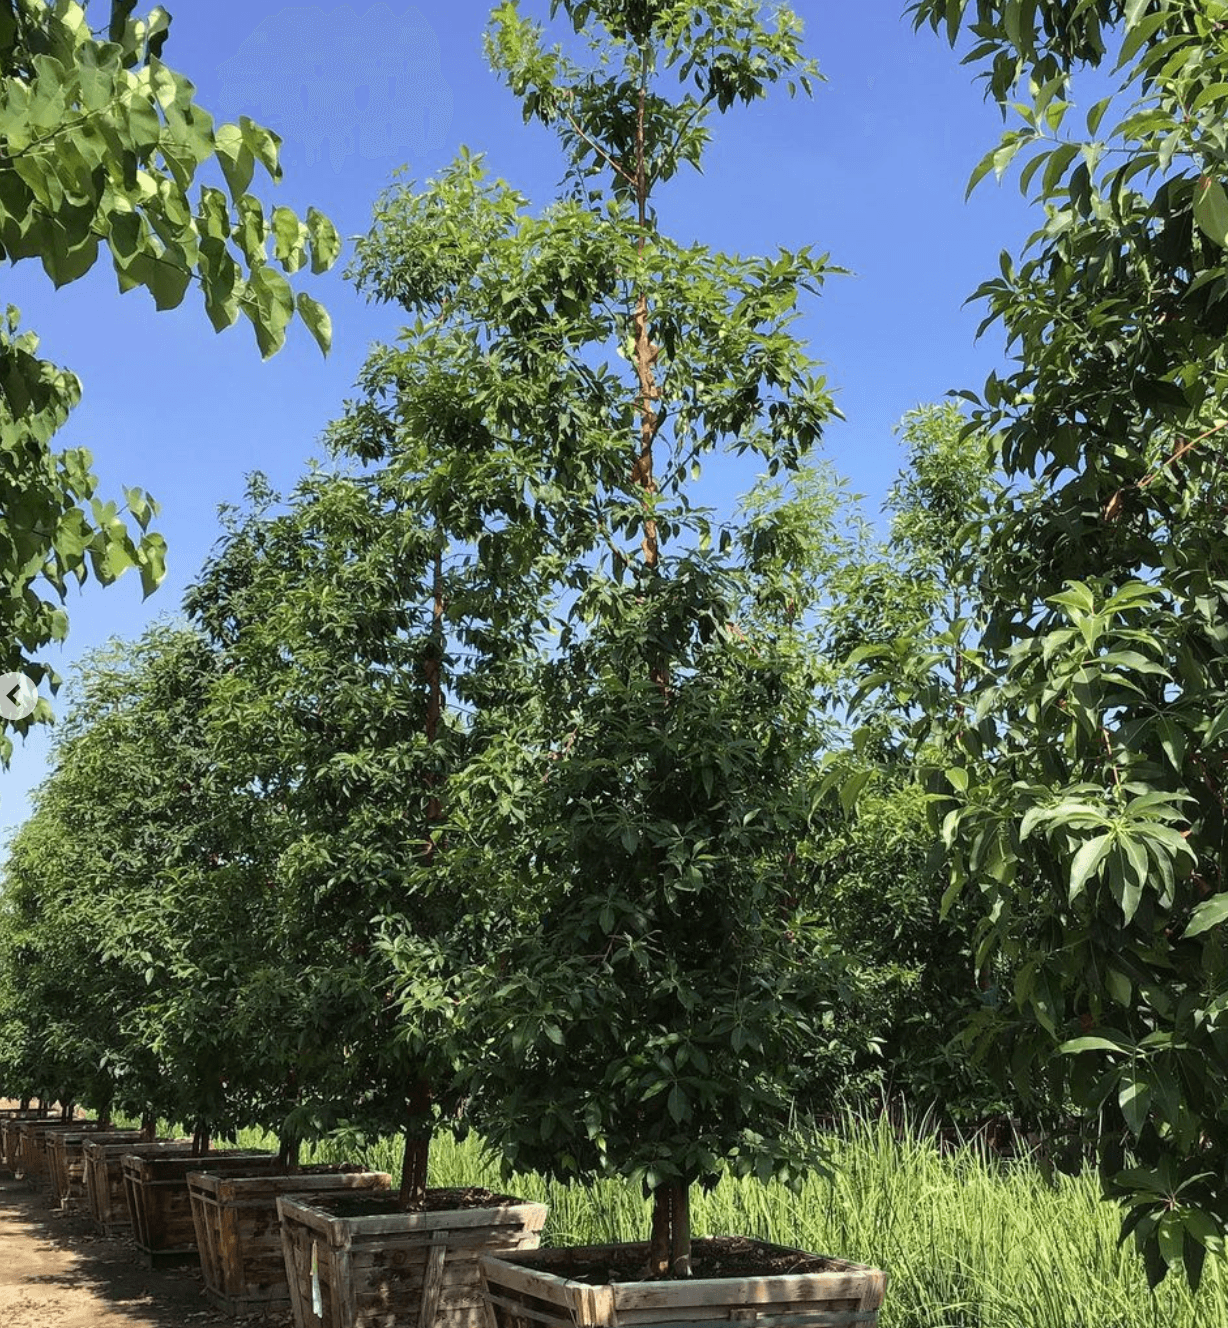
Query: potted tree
x=642, y=784
x=328, y=615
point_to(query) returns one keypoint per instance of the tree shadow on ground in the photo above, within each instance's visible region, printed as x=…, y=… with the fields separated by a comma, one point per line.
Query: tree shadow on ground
x=47, y=1255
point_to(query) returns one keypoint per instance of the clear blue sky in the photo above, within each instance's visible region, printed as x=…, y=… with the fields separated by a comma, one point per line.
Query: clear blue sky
x=872, y=169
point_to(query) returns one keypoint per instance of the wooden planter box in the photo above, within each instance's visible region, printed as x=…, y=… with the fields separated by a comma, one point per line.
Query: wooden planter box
x=238, y=1231
x=104, y=1177
x=32, y=1160
x=396, y=1270
x=66, y=1162
x=158, y=1202
x=10, y=1134
x=534, y=1291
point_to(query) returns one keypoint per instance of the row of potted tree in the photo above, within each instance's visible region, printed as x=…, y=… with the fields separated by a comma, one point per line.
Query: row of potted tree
x=474, y=793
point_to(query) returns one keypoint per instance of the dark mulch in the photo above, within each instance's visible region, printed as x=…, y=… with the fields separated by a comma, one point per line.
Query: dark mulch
x=711, y=1257
x=437, y=1201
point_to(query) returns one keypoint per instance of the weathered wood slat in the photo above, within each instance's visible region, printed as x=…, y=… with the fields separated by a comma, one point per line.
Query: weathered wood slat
x=10, y=1133
x=66, y=1162
x=104, y=1178
x=159, y=1201
x=32, y=1159
x=238, y=1231
x=541, y=1293
x=398, y=1270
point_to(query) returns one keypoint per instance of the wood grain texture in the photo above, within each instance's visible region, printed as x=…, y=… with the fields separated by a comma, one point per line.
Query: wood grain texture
x=848, y=1295
x=238, y=1231
x=160, y=1205
x=402, y=1270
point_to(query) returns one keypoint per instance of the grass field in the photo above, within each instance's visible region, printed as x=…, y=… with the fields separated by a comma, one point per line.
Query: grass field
x=968, y=1241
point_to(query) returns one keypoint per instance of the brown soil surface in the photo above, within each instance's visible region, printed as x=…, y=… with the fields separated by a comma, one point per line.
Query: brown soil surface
x=56, y=1273
x=711, y=1257
x=437, y=1201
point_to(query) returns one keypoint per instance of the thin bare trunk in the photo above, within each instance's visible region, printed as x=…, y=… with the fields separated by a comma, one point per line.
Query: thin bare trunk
x=149, y=1125
x=669, y=1252
x=417, y=1148
x=200, y=1141
x=658, y=1249
x=288, y=1154
x=645, y=351
x=434, y=704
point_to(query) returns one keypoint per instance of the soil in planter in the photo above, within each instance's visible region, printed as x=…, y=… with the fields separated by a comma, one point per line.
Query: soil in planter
x=325, y=1169
x=711, y=1256
x=437, y=1201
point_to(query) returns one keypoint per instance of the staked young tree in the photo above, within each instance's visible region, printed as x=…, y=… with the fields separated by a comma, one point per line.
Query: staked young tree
x=632, y=786
x=100, y=142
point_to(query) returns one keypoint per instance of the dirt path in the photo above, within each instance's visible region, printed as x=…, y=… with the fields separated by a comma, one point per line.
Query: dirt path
x=56, y=1273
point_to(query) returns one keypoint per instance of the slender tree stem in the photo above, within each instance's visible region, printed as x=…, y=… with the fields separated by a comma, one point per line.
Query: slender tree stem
x=417, y=1147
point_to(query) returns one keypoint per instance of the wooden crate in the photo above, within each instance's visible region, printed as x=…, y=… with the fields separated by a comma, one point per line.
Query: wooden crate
x=158, y=1201
x=10, y=1134
x=534, y=1291
x=32, y=1162
x=396, y=1270
x=238, y=1231
x=104, y=1178
x=66, y=1162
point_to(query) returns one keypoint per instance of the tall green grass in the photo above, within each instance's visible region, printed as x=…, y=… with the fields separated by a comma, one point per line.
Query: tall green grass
x=967, y=1241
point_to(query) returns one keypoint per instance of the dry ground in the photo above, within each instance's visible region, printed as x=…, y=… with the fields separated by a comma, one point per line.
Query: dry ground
x=56, y=1273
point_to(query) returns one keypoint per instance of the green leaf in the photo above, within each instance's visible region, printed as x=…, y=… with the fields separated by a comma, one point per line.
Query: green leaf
x=1210, y=913
x=235, y=159
x=1091, y=1043
x=274, y=307
x=289, y=236
x=1134, y=1099
x=1219, y=726
x=319, y=324
x=262, y=144
x=1089, y=857
x=324, y=241
x=1211, y=210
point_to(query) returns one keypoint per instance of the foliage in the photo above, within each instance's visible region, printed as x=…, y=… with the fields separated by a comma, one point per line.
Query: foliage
x=1088, y=808
x=133, y=899
x=555, y=466
x=328, y=617
x=102, y=142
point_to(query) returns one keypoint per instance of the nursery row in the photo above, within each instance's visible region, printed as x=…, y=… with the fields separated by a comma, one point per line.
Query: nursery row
x=970, y=1242
x=491, y=783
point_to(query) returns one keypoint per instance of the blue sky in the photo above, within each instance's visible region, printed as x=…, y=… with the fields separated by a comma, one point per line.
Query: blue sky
x=872, y=169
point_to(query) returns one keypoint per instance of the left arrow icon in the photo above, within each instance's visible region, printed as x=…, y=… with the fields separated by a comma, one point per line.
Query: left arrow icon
x=18, y=696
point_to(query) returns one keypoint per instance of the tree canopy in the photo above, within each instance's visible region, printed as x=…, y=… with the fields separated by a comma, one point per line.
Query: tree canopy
x=100, y=143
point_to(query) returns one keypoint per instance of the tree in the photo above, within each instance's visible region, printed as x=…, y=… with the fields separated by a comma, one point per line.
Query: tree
x=638, y=782
x=328, y=615
x=101, y=143
x=1089, y=807
x=139, y=936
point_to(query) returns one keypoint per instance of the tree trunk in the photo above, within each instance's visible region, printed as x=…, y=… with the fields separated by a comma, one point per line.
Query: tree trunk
x=669, y=1252
x=149, y=1126
x=417, y=1148
x=200, y=1141
x=287, y=1154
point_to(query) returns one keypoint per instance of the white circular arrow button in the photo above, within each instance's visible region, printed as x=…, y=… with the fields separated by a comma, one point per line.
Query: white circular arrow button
x=18, y=696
